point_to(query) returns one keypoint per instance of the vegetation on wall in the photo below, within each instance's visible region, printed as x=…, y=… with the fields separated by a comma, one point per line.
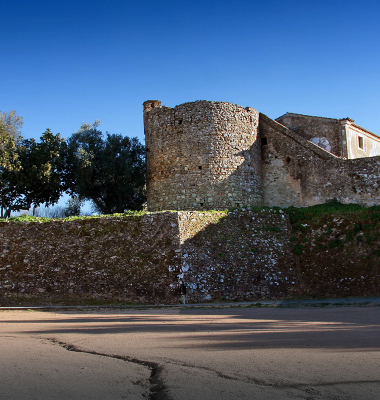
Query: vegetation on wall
x=337, y=248
x=247, y=254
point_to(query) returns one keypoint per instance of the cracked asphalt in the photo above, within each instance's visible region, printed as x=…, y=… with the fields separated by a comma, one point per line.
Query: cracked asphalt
x=191, y=353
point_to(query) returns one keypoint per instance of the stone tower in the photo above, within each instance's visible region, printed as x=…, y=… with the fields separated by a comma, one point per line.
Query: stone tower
x=202, y=155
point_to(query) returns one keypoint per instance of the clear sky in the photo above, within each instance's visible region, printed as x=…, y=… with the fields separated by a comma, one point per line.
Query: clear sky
x=67, y=62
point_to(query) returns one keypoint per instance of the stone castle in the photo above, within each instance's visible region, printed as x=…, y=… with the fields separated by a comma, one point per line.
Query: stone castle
x=206, y=155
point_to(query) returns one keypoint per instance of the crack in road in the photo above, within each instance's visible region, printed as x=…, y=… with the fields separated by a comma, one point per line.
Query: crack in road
x=309, y=388
x=243, y=379
x=158, y=390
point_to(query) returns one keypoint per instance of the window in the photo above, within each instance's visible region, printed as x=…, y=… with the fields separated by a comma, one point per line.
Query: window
x=361, y=142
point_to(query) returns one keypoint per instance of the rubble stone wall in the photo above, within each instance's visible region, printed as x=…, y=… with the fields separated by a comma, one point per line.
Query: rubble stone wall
x=130, y=259
x=208, y=155
x=202, y=155
x=242, y=255
x=316, y=127
x=299, y=173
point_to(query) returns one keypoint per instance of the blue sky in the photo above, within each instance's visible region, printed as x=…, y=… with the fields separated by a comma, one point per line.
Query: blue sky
x=68, y=62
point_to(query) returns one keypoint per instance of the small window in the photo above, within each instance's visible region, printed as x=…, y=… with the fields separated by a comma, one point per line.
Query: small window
x=264, y=141
x=361, y=142
x=200, y=167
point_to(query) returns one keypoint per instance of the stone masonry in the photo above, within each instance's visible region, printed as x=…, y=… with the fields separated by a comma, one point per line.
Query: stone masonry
x=296, y=172
x=209, y=155
x=242, y=255
x=202, y=155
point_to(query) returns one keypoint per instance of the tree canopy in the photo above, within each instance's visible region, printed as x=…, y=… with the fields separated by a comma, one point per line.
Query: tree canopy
x=107, y=169
x=43, y=169
x=10, y=125
x=32, y=173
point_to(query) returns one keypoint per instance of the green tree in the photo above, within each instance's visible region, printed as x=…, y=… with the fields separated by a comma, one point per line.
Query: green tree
x=10, y=196
x=73, y=206
x=109, y=171
x=10, y=125
x=43, y=173
x=32, y=173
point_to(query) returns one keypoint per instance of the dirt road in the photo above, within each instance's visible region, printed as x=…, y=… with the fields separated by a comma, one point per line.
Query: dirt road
x=192, y=353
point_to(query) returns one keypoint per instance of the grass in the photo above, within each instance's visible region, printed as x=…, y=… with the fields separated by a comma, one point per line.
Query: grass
x=331, y=207
x=30, y=218
x=314, y=212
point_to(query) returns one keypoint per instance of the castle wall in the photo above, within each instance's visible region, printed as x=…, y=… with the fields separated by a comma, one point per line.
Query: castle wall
x=299, y=173
x=202, y=155
x=141, y=259
x=213, y=155
x=118, y=258
x=327, y=130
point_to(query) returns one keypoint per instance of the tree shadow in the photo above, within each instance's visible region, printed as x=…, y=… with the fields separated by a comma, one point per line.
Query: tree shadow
x=336, y=329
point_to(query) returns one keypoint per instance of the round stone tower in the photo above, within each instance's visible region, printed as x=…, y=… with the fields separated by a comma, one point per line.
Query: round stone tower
x=202, y=155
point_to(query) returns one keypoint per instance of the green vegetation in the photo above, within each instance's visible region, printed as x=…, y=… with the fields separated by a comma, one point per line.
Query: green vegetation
x=31, y=173
x=336, y=243
x=335, y=240
x=108, y=170
x=322, y=257
x=298, y=248
x=30, y=218
x=273, y=229
x=304, y=214
x=300, y=218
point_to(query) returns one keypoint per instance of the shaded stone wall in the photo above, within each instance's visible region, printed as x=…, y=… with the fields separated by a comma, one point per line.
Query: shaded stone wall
x=338, y=254
x=311, y=127
x=128, y=259
x=241, y=255
x=297, y=172
x=338, y=136
x=202, y=155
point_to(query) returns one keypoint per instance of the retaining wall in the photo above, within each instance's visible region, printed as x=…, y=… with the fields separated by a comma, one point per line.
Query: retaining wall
x=241, y=255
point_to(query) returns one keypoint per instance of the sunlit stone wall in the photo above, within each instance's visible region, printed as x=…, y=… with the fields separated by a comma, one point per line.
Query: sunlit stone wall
x=202, y=155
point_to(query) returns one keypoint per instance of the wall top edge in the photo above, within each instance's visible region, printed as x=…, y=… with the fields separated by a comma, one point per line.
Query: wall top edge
x=199, y=102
